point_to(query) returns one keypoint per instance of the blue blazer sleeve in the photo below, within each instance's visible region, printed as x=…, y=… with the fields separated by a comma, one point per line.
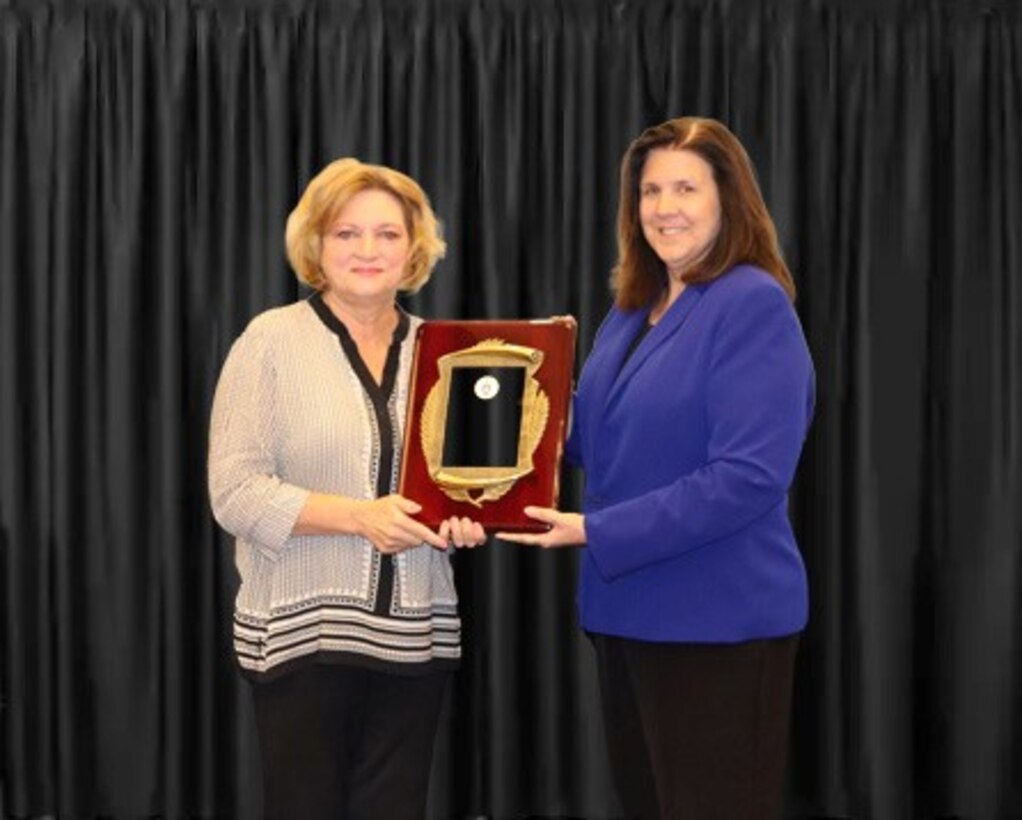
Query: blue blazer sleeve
x=758, y=408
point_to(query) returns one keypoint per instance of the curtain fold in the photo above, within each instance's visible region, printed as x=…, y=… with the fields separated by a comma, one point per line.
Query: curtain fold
x=149, y=155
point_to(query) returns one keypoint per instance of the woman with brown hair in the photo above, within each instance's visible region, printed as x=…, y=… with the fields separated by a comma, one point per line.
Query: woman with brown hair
x=689, y=418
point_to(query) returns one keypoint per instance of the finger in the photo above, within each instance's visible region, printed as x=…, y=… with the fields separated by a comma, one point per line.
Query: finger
x=455, y=531
x=464, y=530
x=469, y=533
x=387, y=547
x=406, y=505
x=545, y=514
x=445, y=530
x=420, y=532
x=520, y=538
x=477, y=533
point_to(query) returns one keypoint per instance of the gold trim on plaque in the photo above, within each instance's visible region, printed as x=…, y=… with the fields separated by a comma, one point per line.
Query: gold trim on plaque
x=477, y=485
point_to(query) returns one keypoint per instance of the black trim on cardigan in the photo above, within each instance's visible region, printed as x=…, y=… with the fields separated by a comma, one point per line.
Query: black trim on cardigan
x=379, y=395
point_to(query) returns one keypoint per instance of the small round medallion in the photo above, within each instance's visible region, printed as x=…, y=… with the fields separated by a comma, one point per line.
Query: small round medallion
x=486, y=387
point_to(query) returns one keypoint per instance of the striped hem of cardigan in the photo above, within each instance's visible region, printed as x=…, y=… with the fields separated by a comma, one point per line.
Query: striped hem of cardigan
x=261, y=644
x=350, y=659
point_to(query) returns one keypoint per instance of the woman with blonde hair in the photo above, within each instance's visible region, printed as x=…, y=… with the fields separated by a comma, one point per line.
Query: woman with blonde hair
x=346, y=620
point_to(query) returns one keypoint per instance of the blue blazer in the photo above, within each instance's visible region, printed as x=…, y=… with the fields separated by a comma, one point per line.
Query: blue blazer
x=688, y=453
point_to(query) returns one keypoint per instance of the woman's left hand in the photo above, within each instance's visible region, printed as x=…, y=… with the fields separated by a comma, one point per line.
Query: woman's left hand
x=566, y=529
x=462, y=532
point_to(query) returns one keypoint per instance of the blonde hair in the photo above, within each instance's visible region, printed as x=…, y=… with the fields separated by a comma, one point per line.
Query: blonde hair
x=747, y=233
x=325, y=197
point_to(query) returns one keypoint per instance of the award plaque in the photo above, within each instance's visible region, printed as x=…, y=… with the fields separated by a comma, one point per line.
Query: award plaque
x=487, y=418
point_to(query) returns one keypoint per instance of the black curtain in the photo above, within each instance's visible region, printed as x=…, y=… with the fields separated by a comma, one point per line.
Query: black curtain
x=149, y=154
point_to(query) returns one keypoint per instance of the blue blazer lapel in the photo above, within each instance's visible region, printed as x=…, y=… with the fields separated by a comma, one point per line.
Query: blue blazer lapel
x=605, y=359
x=665, y=329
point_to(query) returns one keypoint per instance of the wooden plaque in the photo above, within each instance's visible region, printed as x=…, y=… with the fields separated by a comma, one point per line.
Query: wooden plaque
x=487, y=418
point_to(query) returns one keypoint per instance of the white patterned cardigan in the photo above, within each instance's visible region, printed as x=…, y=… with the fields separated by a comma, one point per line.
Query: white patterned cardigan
x=291, y=416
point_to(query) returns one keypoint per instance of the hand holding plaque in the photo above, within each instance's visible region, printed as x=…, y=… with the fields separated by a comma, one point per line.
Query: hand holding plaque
x=486, y=419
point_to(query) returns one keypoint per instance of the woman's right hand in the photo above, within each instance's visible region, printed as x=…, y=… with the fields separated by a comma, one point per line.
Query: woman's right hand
x=388, y=524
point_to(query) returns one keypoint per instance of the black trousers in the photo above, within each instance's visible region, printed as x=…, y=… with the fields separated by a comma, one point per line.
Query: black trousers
x=346, y=743
x=697, y=731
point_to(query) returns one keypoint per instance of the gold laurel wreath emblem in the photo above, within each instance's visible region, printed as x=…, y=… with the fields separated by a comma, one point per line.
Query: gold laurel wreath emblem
x=478, y=485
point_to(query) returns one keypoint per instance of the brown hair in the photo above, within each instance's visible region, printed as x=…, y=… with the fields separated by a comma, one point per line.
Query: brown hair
x=325, y=197
x=747, y=233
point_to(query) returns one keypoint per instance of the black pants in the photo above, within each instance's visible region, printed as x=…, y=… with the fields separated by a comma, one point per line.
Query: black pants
x=697, y=731
x=346, y=743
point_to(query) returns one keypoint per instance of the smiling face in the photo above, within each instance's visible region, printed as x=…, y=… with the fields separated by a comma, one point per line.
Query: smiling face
x=679, y=207
x=365, y=250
